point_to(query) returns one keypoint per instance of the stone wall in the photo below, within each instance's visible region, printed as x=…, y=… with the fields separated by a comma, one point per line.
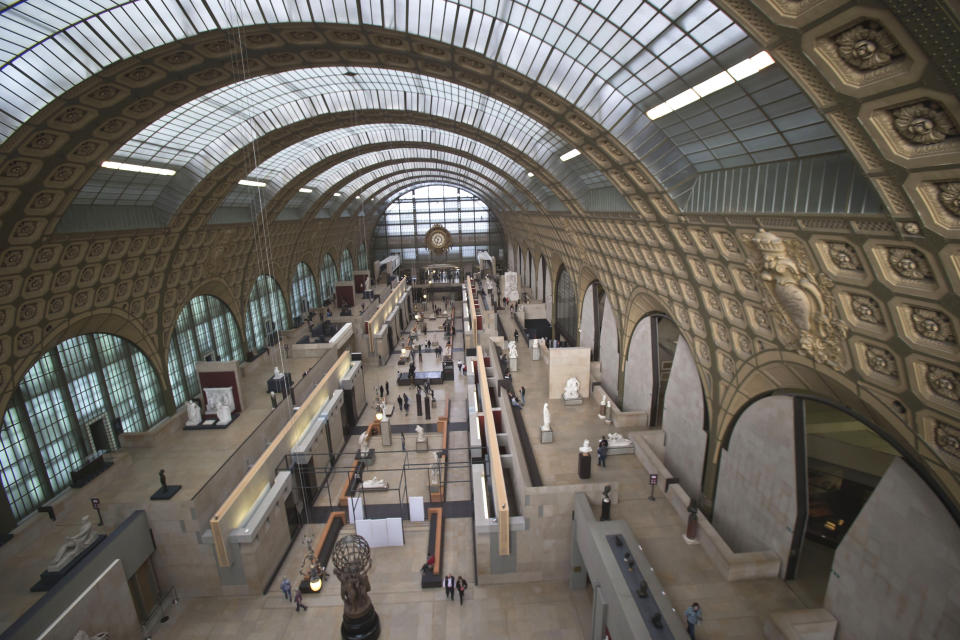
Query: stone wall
x=756, y=503
x=686, y=441
x=895, y=575
x=638, y=371
x=609, y=351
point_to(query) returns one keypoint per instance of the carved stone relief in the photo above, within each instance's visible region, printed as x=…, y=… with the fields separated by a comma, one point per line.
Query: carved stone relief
x=947, y=438
x=881, y=361
x=932, y=325
x=800, y=300
x=943, y=382
x=867, y=46
x=924, y=123
x=866, y=309
x=844, y=256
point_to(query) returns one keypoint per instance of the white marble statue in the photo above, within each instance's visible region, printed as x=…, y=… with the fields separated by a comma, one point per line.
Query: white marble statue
x=83, y=635
x=617, y=440
x=223, y=414
x=435, y=467
x=546, y=417
x=585, y=447
x=571, y=391
x=193, y=413
x=421, y=437
x=366, y=283
x=74, y=545
x=276, y=373
x=375, y=483
x=364, y=445
x=604, y=403
x=512, y=348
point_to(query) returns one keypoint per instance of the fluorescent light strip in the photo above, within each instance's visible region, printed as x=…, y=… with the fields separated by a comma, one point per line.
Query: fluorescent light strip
x=251, y=183
x=337, y=194
x=570, y=155
x=305, y=190
x=713, y=84
x=529, y=174
x=137, y=168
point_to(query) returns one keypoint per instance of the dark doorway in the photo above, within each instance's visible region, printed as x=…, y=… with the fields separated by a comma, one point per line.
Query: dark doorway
x=346, y=413
x=98, y=433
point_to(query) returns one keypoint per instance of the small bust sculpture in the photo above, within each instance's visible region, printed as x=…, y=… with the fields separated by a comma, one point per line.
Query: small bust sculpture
x=223, y=414
x=512, y=348
x=420, y=435
x=572, y=389
x=546, y=416
x=585, y=447
x=276, y=373
x=193, y=413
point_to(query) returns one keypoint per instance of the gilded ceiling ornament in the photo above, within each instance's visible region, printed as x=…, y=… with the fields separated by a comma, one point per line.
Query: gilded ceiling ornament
x=947, y=438
x=923, y=123
x=944, y=383
x=867, y=46
x=844, y=256
x=933, y=325
x=949, y=196
x=909, y=263
x=882, y=361
x=867, y=310
x=801, y=301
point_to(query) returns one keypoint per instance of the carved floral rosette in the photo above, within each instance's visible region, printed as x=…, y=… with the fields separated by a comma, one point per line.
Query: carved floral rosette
x=800, y=300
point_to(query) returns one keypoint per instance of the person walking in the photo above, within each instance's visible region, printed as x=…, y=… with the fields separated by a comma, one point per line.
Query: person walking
x=403, y=442
x=381, y=391
x=602, y=454
x=388, y=388
x=693, y=618
x=448, y=585
x=516, y=335
x=298, y=599
x=523, y=395
x=285, y=587
x=461, y=587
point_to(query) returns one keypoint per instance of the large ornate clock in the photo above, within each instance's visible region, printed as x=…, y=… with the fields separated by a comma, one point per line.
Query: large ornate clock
x=438, y=239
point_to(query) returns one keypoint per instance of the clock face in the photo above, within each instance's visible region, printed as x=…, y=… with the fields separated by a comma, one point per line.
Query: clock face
x=438, y=239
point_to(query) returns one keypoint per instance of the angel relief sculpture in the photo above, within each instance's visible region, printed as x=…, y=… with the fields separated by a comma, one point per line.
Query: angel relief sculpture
x=806, y=306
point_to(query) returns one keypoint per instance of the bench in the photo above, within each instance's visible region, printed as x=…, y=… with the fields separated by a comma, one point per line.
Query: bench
x=434, y=579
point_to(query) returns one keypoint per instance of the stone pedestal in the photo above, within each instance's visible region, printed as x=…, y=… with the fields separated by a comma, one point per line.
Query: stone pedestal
x=583, y=468
x=605, y=509
x=513, y=364
x=546, y=436
x=422, y=445
x=165, y=493
x=386, y=437
x=572, y=402
x=535, y=353
x=365, y=627
x=368, y=458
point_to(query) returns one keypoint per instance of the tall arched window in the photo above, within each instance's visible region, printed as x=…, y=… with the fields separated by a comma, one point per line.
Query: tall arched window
x=303, y=295
x=265, y=314
x=346, y=265
x=69, y=406
x=362, y=263
x=567, y=307
x=328, y=277
x=205, y=328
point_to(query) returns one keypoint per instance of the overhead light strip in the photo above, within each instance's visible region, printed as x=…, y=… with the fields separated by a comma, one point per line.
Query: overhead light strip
x=137, y=168
x=570, y=155
x=736, y=73
x=251, y=183
x=305, y=190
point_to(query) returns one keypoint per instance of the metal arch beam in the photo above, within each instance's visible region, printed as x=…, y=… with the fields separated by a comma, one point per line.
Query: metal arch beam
x=478, y=178
x=283, y=196
x=213, y=188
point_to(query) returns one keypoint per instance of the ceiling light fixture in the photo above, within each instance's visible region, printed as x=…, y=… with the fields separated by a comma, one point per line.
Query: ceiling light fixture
x=137, y=168
x=337, y=194
x=251, y=183
x=713, y=84
x=305, y=190
x=570, y=155
x=529, y=174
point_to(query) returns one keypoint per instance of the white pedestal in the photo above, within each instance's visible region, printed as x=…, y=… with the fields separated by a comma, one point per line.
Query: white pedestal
x=546, y=436
x=571, y=402
x=421, y=446
x=386, y=435
x=513, y=364
x=535, y=354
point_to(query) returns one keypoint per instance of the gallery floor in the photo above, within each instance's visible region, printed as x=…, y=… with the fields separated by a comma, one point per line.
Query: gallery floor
x=528, y=610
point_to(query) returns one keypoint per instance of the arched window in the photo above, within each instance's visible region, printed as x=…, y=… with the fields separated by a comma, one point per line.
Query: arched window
x=205, y=328
x=303, y=293
x=346, y=265
x=328, y=277
x=265, y=314
x=362, y=263
x=69, y=405
x=567, y=308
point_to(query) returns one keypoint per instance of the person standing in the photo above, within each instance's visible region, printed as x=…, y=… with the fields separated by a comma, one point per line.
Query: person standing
x=403, y=442
x=388, y=388
x=602, y=454
x=381, y=392
x=448, y=585
x=523, y=395
x=285, y=587
x=516, y=335
x=461, y=587
x=298, y=599
x=693, y=618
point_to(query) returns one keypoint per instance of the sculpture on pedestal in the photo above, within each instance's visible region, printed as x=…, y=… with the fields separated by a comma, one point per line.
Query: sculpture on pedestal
x=375, y=483
x=351, y=562
x=193, y=413
x=603, y=404
x=74, y=545
x=571, y=391
x=512, y=349
x=276, y=373
x=83, y=635
x=364, y=445
x=585, y=447
x=223, y=414
x=617, y=440
x=546, y=417
x=420, y=435
x=436, y=467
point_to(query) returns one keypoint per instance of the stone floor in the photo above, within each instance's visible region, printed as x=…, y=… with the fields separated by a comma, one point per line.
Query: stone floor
x=528, y=610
